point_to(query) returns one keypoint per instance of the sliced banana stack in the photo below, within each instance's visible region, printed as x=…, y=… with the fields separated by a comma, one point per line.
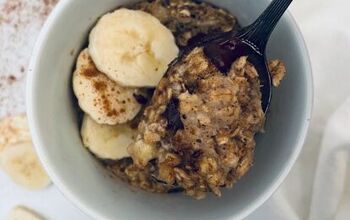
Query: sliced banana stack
x=128, y=51
x=100, y=97
x=106, y=141
x=17, y=156
x=21, y=163
x=132, y=47
x=22, y=213
x=13, y=130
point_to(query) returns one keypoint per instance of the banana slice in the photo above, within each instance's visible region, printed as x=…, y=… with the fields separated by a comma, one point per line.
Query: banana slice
x=22, y=213
x=103, y=99
x=22, y=165
x=13, y=129
x=106, y=141
x=132, y=47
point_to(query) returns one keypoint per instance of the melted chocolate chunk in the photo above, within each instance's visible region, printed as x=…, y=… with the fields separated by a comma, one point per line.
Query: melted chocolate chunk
x=176, y=190
x=197, y=154
x=140, y=99
x=197, y=1
x=191, y=87
x=197, y=39
x=173, y=115
x=108, y=162
x=150, y=91
x=166, y=2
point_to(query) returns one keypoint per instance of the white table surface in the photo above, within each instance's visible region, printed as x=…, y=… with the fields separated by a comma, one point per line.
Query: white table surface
x=20, y=22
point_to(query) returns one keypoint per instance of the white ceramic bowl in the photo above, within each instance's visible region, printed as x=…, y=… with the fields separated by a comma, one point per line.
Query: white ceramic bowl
x=53, y=123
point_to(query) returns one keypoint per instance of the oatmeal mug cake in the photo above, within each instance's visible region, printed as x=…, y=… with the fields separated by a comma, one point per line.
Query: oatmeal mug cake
x=161, y=126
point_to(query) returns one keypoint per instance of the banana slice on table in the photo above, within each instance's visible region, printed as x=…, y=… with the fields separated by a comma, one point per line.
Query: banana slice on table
x=13, y=129
x=106, y=141
x=22, y=165
x=132, y=47
x=100, y=97
x=22, y=213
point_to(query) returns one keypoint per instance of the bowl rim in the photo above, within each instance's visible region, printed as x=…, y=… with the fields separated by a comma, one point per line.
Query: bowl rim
x=83, y=205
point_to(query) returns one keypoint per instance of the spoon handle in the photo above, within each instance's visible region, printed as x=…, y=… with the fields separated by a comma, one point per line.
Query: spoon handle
x=259, y=32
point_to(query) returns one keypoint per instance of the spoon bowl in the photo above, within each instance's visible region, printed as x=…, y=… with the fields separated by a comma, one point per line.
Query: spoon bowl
x=222, y=50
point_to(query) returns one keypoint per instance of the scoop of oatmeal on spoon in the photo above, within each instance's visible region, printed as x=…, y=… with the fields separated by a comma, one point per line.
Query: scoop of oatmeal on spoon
x=200, y=125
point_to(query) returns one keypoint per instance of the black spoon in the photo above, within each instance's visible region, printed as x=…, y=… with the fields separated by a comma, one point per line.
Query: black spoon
x=222, y=50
